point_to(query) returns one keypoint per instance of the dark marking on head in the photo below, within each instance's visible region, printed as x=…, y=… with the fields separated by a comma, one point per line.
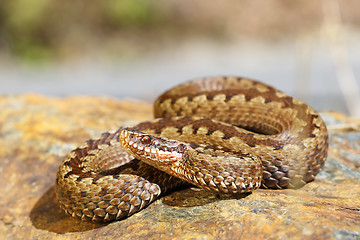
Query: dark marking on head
x=194, y=145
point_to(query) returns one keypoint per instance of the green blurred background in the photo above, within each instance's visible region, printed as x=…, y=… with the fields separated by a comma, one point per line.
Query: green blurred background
x=307, y=48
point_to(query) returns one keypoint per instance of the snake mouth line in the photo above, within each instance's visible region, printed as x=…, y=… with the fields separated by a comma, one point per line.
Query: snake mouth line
x=151, y=148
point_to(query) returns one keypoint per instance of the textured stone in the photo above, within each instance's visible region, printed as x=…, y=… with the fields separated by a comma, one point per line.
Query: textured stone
x=37, y=132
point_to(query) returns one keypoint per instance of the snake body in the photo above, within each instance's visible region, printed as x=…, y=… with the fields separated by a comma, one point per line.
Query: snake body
x=228, y=135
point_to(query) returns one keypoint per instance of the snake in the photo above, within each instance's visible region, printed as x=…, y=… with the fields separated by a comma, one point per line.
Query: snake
x=225, y=134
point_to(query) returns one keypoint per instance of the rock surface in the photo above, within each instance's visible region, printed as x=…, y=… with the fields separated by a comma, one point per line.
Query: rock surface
x=37, y=132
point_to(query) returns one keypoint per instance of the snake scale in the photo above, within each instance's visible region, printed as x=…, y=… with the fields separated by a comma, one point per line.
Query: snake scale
x=226, y=134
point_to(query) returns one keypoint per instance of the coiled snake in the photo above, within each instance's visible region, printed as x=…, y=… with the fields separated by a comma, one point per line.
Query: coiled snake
x=225, y=134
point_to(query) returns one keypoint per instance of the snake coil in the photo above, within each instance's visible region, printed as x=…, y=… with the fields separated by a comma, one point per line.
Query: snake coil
x=225, y=134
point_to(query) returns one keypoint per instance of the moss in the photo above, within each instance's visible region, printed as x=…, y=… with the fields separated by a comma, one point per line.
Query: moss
x=129, y=13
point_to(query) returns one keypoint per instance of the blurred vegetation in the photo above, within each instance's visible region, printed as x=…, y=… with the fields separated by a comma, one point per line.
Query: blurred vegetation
x=40, y=28
x=43, y=29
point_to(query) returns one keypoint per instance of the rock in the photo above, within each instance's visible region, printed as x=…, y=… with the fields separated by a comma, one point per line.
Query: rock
x=37, y=132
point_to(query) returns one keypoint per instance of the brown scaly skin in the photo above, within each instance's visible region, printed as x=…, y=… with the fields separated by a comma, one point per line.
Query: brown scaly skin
x=285, y=145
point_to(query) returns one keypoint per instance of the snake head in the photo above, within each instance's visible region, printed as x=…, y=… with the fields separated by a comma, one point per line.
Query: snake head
x=161, y=153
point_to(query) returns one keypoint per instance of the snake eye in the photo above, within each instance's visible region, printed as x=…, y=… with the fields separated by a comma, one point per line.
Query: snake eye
x=145, y=140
